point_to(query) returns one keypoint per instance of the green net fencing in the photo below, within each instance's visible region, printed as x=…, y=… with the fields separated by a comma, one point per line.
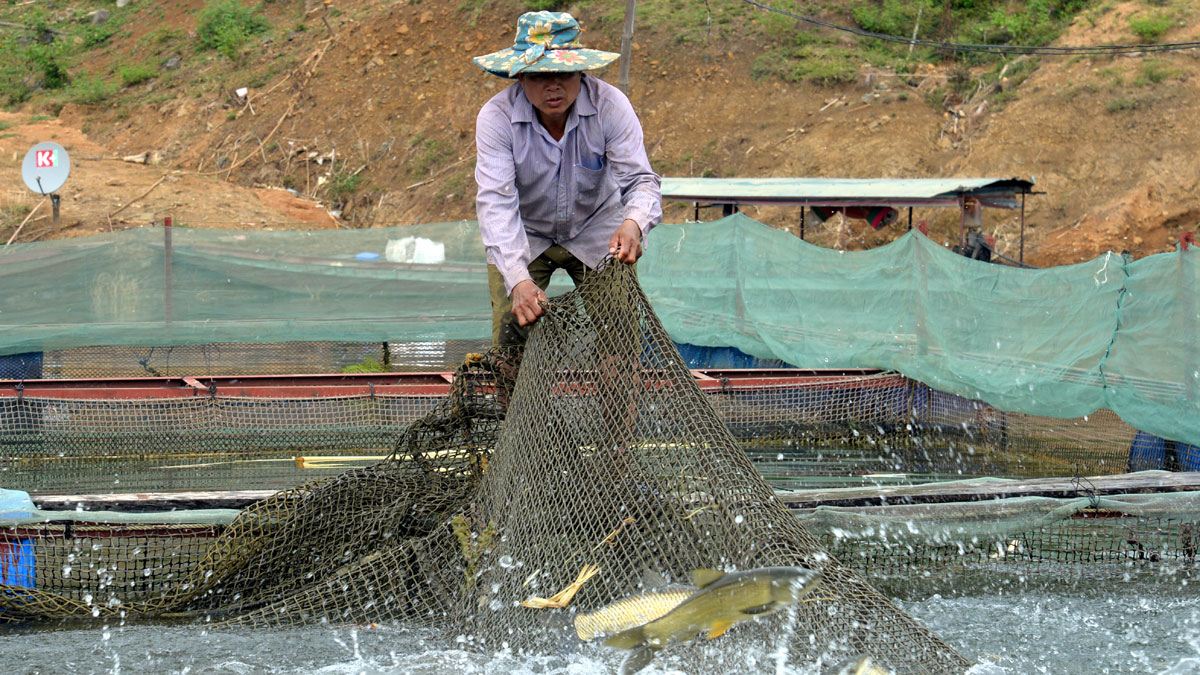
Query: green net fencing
x=1111, y=333
x=1088, y=537
x=137, y=557
x=222, y=286
x=1062, y=342
x=600, y=453
x=799, y=432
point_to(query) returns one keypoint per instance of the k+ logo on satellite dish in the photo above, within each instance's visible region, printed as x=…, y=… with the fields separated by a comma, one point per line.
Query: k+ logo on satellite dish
x=44, y=159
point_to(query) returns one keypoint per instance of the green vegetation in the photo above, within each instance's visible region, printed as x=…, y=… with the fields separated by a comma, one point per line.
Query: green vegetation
x=342, y=184
x=227, y=27
x=136, y=73
x=91, y=90
x=28, y=65
x=94, y=36
x=1150, y=28
x=367, y=365
x=455, y=186
x=427, y=153
x=473, y=543
x=794, y=51
x=40, y=58
x=1154, y=71
x=161, y=37
x=1121, y=104
x=827, y=66
x=1027, y=22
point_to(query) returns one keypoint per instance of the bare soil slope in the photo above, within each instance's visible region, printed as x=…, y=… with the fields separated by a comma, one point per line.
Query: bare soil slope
x=372, y=119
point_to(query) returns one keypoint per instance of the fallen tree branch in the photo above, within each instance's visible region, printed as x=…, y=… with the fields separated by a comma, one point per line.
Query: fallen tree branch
x=829, y=104
x=14, y=234
x=291, y=106
x=441, y=171
x=128, y=203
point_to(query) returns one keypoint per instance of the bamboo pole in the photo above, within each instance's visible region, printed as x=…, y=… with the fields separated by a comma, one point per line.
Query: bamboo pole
x=626, y=46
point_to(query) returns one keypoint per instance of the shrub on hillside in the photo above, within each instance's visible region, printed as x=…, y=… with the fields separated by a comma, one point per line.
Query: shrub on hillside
x=226, y=26
x=26, y=68
x=136, y=73
x=91, y=91
x=1150, y=28
x=545, y=5
x=892, y=17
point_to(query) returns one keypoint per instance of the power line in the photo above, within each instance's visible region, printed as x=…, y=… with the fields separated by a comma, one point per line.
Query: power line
x=985, y=48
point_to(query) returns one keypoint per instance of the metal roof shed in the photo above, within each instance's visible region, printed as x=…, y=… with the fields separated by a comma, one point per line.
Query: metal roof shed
x=1003, y=193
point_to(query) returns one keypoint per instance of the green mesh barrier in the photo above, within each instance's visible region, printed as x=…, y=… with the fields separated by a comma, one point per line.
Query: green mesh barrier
x=1152, y=535
x=1060, y=342
x=241, y=286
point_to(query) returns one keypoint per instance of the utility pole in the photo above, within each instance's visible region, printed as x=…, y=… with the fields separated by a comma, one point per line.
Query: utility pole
x=626, y=46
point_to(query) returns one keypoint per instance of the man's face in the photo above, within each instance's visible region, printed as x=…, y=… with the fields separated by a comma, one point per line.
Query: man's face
x=551, y=93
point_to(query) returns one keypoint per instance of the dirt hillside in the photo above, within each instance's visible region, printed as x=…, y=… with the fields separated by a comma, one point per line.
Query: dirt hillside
x=361, y=114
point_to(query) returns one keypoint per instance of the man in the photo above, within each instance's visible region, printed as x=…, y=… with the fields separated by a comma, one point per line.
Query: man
x=562, y=171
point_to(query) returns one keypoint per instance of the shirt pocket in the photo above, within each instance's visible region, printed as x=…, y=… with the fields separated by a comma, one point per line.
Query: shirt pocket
x=590, y=180
x=592, y=162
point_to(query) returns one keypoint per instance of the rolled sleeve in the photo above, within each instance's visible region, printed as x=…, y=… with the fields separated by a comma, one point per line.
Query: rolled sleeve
x=496, y=199
x=640, y=186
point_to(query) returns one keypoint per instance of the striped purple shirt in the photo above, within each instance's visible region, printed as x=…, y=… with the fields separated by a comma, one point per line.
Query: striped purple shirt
x=535, y=192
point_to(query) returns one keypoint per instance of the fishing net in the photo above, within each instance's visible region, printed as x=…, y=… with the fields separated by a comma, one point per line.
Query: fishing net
x=603, y=456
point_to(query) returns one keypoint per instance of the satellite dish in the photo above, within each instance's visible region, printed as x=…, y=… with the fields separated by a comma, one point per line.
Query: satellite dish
x=45, y=168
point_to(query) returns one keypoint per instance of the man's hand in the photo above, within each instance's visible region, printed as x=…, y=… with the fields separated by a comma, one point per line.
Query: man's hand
x=527, y=301
x=626, y=242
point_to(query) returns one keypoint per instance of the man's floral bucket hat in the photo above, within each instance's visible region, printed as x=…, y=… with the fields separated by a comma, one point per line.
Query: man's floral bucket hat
x=546, y=43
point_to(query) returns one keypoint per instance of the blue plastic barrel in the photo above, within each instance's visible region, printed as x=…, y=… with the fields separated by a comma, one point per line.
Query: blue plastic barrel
x=16, y=554
x=1188, y=456
x=1147, y=452
x=27, y=366
x=16, y=562
x=723, y=358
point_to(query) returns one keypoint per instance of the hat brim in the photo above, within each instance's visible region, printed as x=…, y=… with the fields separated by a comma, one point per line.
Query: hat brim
x=554, y=61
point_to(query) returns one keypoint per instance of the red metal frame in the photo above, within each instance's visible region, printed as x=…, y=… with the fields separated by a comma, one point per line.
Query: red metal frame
x=264, y=386
x=359, y=384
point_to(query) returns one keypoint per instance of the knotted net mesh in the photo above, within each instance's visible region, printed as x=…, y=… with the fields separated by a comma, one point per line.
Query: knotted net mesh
x=603, y=454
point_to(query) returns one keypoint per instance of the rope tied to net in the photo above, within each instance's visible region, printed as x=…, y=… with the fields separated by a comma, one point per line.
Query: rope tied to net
x=1082, y=485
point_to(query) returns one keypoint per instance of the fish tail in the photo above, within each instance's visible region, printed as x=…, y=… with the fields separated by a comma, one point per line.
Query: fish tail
x=627, y=639
x=637, y=659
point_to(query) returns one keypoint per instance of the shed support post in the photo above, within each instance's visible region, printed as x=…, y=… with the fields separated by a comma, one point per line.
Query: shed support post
x=1021, y=255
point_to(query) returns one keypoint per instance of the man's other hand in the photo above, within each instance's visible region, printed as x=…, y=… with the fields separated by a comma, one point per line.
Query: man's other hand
x=626, y=242
x=527, y=301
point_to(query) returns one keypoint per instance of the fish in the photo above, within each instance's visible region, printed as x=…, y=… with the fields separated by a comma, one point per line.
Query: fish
x=863, y=665
x=722, y=601
x=636, y=610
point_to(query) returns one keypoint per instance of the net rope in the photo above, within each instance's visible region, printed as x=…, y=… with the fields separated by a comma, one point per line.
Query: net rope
x=603, y=453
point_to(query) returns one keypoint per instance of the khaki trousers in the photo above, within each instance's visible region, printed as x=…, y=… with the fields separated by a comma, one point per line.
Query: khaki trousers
x=505, y=329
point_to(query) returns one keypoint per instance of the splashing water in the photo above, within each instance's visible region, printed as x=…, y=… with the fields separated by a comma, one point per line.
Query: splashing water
x=1011, y=630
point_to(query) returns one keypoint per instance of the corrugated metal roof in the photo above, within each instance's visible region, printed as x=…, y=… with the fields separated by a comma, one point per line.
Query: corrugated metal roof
x=1000, y=192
